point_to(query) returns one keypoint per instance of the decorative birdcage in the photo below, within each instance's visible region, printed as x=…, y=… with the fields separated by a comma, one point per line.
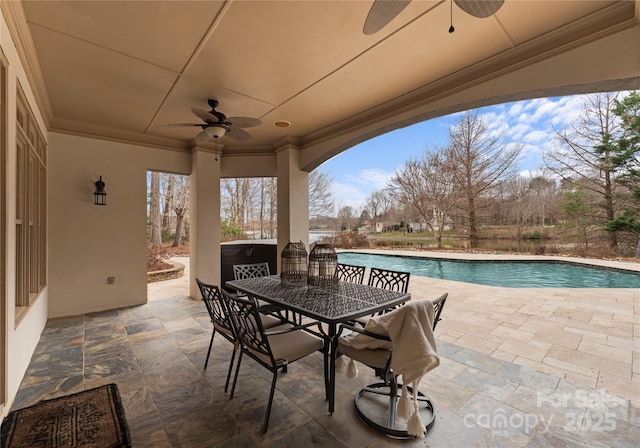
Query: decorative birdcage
x=293, y=263
x=323, y=262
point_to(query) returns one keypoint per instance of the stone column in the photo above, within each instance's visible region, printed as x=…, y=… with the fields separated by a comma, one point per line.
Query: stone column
x=293, y=199
x=204, y=215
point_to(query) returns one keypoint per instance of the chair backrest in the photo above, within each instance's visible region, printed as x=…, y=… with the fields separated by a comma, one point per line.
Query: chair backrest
x=248, y=327
x=241, y=271
x=391, y=280
x=350, y=273
x=216, y=308
x=438, y=305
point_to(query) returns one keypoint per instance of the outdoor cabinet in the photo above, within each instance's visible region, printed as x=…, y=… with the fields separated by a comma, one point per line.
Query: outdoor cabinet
x=246, y=252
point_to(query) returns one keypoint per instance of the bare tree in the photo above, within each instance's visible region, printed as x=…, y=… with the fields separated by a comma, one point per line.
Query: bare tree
x=180, y=204
x=166, y=190
x=237, y=199
x=428, y=187
x=520, y=204
x=250, y=204
x=346, y=217
x=378, y=204
x=154, y=209
x=543, y=193
x=320, y=195
x=268, y=208
x=584, y=155
x=482, y=162
x=273, y=206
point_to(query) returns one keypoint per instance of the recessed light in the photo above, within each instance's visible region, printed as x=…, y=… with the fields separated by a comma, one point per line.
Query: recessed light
x=282, y=124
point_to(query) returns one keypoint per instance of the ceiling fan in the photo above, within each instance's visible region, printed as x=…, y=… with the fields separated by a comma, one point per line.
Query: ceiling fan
x=216, y=124
x=384, y=11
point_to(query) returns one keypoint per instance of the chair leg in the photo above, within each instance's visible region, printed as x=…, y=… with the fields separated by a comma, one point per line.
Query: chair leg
x=235, y=378
x=210, y=345
x=393, y=402
x=325, y=351
x=233, y=355
x=273, y=389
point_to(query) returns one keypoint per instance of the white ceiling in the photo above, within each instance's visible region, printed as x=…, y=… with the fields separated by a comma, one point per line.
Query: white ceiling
x=123, y=69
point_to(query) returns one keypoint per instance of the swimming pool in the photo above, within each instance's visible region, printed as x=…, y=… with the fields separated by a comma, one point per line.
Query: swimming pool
x=508, y=273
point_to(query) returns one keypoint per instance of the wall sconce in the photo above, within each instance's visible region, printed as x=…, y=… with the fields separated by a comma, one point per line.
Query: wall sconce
x=100, y=196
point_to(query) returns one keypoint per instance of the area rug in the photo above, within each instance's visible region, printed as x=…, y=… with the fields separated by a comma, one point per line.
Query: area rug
x=93, y=418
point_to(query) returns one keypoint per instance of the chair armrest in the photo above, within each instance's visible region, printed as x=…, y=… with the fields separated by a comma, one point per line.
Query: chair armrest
x=269, y=308
x=292, y=328
x=364, y=332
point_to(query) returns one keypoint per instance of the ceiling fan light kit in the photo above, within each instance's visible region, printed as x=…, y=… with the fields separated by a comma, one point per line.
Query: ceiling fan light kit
x=216, y=124
x=215, y=131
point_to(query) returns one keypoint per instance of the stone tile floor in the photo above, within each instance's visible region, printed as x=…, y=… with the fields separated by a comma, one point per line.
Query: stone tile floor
x=536, y=368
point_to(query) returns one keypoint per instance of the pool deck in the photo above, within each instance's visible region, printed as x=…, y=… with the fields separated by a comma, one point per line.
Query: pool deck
x=567, y=359
x=586, y=336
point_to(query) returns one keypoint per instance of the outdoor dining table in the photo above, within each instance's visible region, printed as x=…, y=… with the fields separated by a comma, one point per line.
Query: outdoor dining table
x=342, y=302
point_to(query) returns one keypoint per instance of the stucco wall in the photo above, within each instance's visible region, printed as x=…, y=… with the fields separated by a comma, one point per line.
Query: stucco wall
x=21, y=338
x=88, y=243
x=591, y=67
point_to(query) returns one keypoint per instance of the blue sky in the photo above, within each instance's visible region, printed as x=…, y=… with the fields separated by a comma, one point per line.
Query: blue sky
x=368, y=166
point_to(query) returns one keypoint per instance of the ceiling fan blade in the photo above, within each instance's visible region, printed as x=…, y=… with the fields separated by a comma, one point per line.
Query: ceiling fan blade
x=206, y=116
x=480, y=8
x=238, y=134
x=179, y=125
x=244, y=122
x=202, y=137
x=381, y=13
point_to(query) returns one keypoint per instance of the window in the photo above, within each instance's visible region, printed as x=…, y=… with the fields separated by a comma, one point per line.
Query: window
x=31, y=178
x=3, y=222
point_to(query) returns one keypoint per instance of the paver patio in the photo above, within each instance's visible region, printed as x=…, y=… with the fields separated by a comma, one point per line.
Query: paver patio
x=519, y=367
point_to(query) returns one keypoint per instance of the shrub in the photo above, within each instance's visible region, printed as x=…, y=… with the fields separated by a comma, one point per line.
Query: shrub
x=347, y=240
x=155, y=254
x=534, y=235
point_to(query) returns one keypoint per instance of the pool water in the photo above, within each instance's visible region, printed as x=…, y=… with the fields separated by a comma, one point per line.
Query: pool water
x=508, y=273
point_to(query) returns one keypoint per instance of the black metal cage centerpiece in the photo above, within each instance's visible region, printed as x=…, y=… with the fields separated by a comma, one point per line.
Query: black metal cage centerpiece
x=323, y=262
x=293, y=266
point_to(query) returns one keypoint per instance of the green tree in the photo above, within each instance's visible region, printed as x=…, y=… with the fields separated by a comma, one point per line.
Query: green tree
x=587, y=154
x=578, y=209
x=626, y=158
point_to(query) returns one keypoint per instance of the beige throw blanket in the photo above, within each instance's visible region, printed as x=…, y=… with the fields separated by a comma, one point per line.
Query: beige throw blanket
x=410, y=328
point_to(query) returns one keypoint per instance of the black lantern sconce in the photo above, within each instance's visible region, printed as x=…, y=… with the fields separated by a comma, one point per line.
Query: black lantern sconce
x=100, y=196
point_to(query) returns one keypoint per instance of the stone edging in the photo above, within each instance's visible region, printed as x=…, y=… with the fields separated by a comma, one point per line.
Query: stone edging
x=176, y=271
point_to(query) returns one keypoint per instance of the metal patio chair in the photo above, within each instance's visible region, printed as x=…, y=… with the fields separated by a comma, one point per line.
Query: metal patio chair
x=388, y=279
x=379, y=357
x=261, y=269
x=251, y=270
x=214, y=301
x=350, y=273
x=274, y=349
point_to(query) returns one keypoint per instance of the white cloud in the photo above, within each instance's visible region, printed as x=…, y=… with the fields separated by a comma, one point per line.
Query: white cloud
x=375, y=178
x=345, y=194
x=518, y=131
x=568, y=110
x=515, y=109
x=537, y=136
x=354, y=189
